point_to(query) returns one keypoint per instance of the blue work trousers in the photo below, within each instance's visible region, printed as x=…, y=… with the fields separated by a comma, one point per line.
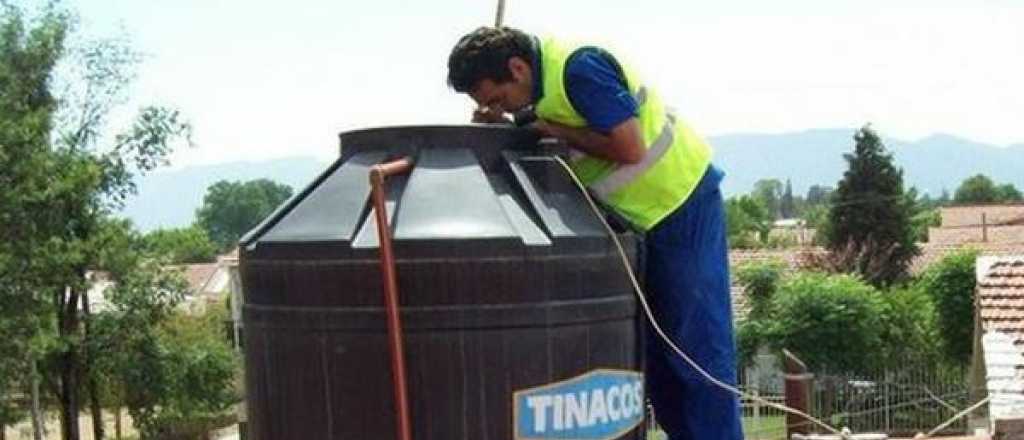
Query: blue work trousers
x=687, y=284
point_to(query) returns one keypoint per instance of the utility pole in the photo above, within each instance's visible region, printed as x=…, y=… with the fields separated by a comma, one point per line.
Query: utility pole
x=500, y=16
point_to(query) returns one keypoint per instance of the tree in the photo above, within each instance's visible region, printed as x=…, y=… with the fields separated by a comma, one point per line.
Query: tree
x=980, y=189
x=63, y=180
x=787, y=205
x=1008, y=193
x=976, y=189
x=29, y=51
x=230, y=209
x=951, y=282
x=819, y=194
x=769, y=193
x=760, y=281
x=869, y=221
x=170, y=370
x=830, y=321
x=747, y=222
x=181, y=245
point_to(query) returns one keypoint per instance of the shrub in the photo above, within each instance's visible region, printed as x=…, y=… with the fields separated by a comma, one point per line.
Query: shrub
x=950, y=283
x=909, y=329
x=760, y=281
x=830, y=321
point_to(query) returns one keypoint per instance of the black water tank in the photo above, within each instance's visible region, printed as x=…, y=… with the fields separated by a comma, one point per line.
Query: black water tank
x=519, y=320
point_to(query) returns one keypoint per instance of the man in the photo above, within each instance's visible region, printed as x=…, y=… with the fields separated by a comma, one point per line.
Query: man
x=651, y=169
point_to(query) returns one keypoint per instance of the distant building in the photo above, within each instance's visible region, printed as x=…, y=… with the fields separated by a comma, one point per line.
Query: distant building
x=208, y=283
x=99, y=282
x=793, y=230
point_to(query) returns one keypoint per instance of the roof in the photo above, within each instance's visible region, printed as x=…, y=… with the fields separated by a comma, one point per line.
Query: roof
x=1001, y=297
x=976, y=215
x=198, y=276
x=792, y=258
x=933, y=252
x=1001, y=311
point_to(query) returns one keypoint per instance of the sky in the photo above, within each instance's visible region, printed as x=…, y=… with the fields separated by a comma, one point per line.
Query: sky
x=267, y=79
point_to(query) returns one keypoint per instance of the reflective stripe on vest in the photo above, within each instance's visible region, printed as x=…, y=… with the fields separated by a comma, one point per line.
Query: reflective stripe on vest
x=624, y=174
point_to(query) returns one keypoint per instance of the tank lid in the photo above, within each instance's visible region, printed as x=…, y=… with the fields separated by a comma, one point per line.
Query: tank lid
x=516, y=195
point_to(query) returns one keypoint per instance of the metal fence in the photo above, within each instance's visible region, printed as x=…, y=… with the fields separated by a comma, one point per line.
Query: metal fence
x=764, y=380
x=914, y=398
x=761, y=422
x=900, y=402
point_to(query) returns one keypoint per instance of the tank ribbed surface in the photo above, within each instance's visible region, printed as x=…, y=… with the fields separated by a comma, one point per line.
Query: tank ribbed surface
x=507, y=282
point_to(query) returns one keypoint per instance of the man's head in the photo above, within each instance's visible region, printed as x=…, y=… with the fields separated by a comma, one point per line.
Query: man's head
x=494, y=66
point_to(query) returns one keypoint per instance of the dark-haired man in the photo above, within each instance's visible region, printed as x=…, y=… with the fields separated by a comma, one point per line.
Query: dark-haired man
x=652, y=170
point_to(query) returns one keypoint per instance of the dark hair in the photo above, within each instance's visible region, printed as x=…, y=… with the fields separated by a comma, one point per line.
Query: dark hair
x=484, y=54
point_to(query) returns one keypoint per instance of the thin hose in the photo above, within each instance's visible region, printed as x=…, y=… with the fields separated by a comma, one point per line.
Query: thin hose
x=657, y=327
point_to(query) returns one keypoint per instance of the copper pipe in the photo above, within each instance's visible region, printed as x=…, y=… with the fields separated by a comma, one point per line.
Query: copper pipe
x=378, y=174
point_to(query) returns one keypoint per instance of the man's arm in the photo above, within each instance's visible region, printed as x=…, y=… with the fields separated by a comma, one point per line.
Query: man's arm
x=597, y=90
x=623, y=143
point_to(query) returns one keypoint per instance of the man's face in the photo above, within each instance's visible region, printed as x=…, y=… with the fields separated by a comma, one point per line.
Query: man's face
x=509, y=96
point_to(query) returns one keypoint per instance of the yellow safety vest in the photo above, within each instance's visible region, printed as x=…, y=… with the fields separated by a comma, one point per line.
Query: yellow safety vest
x=646, y=192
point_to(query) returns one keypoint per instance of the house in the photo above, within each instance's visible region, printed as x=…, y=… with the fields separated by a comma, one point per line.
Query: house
x=793, y=230
x=99, y=282
x=235, y=298
x=998, y=362
x=208, y=283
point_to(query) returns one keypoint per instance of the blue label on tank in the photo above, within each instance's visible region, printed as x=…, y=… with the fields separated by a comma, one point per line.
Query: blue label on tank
x=599, y=405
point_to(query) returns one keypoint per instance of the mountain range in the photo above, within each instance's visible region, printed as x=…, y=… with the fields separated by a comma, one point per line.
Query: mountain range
x=933, y=164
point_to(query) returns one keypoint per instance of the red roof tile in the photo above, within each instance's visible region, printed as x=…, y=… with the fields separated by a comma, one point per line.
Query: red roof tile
x=198, y=275
x=1000, y=302
x=1001, y=297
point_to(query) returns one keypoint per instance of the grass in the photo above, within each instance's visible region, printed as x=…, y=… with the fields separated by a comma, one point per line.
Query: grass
x=764, y=428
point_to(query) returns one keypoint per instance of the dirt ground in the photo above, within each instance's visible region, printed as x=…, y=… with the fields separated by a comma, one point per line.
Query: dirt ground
x=23, y=430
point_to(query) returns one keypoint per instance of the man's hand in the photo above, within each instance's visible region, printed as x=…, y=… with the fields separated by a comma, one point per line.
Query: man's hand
x=544, y=128
x=490, y=115
x=623, y=144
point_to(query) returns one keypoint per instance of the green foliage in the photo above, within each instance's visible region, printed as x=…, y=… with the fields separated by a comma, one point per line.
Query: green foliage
x=819, y=194
x=950, y=282
x=29, y=50
x=787, y=204
x=181, y=245
x=1008, y=193
x=869, y=222
x=768, y=193
x=817, y=217
x=830, y=321
x=921, y=221
x=760, y=281
x=979, y=189
x=747, y=222
x=169, y=369
x=910, y=328
x=230, y=209
x=837, y=322
x=62, y=180
x=193, y=377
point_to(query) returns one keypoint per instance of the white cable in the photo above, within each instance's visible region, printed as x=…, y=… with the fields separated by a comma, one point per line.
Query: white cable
x=657, y=327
